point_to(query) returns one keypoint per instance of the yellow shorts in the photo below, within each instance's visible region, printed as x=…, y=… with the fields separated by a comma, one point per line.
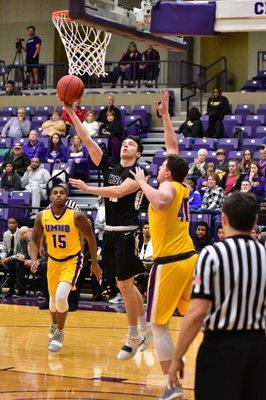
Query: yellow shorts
x=66, y=271
x=169, y=288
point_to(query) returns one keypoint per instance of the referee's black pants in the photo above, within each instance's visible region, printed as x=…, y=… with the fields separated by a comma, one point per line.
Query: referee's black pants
x=231, y=366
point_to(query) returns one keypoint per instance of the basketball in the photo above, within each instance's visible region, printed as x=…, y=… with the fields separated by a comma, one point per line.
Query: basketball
x=70, y=88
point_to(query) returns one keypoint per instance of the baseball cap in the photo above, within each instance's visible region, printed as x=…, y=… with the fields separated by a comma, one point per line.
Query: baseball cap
x=18, y=145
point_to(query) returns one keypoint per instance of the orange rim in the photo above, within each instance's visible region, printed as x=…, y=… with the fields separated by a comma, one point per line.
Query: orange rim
x=59, y=13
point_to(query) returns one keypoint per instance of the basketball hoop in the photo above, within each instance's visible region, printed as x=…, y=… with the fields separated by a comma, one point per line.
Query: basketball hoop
x=85, y=45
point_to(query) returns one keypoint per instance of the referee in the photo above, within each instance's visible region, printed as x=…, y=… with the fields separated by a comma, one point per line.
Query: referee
x=229, y=300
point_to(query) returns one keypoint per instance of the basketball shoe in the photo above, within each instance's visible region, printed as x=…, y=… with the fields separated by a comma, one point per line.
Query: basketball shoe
x=57, y=341
x=146, y=332
x=169, y=394
x=130, y=348
x=52, y=330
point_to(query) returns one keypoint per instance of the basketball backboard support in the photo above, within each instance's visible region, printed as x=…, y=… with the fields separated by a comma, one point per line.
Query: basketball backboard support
x=133, y=23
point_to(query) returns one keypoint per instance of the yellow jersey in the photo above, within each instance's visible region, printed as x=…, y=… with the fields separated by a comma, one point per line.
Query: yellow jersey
x=62, y=235
x=170, y=228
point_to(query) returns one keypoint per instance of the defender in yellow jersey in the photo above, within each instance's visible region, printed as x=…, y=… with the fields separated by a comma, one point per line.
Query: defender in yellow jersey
x=62, y=228
x=173, y=250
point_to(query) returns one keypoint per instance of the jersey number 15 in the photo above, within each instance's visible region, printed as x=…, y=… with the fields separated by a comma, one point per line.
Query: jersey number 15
x=59, y=241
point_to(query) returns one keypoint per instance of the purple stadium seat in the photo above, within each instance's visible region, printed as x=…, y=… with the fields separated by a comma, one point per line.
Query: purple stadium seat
x=3, y=120
x=194, y=219
x=4, y=214
x=154, y=183
x=244, y=110
x=125, y=109
x=132, y=125
x=205, y=121
x=44, y=140
x=97, y=110
x=102, y=142
x=251, y=144
x=203, y=143
x=261, y=110
x=6, y=113
x=39, y=118
x=260, y=132
x=30, y=110
x=4, y=197
x=252, y=85
x=216, y=225
x=37, y=125
x=60, y=109
x=184, y=144
x=247, y=130
x=211, y=156
x=256, y=156
x=254, y=121
x=145, y=112
x=47, y=166
x=21, y=195
x=159, y=157
x=17, y=210
x=188, y=155
x=143, y=217
x=44, y=110
x=236, y=155
x=227, y=144
x=13, y=110
x=151, y=169
x=5, y=142
x=92, y=213
x=229, y=122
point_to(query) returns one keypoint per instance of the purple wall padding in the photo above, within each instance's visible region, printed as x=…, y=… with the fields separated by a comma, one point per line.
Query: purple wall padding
x=183, y=19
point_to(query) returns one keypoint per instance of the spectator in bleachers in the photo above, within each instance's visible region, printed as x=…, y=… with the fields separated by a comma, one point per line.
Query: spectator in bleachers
x=245, y=186
x=56, y=152
x=11, y=90
x=19, y=160
x=127, y=68
x=150, y=70
x=78, y=159
x=198, y=167
x=232, y=180
x=192, y=127
x=255, y=233
x=213, y=198
x=220, y=233
x=217, y=108
x=110, y=106
x=10, y=247
x=113, y=129
x=201, y=184
x=78, y=111
x=262, y=161
x=221, y=166
x=35, y=180
x=91, y=124
x=54, y=125
x=246, y=162
x=257, y=181
x=34, y=147
x=17, y=127
x=23, y=263
x=10, y=179
x=202, y=237
x=194, y=196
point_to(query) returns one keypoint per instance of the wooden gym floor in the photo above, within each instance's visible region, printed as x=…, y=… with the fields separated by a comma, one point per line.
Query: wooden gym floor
x=86, y=367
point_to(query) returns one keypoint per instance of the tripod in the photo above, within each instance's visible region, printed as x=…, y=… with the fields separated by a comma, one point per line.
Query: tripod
x=16, y=63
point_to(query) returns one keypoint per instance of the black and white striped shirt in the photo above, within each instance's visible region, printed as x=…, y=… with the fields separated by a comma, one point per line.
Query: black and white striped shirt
x=71, y=204
x=232, y=274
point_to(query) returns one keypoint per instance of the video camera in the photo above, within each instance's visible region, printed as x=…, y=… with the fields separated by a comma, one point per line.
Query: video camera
x=18, y=43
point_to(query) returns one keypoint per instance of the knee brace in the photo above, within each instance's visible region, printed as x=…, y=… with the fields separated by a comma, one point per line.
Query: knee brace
x=163, y=342
x=52, y=306
x=61, y=296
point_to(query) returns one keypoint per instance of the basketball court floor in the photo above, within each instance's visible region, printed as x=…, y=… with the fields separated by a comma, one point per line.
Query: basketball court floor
x=87, y=367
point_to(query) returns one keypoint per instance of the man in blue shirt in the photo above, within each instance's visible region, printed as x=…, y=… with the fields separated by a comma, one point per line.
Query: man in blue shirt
x=33, y=47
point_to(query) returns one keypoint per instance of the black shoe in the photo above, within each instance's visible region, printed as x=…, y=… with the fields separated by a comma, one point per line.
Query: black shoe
x=113, y=86
x=44, y=305
x=9, y=293
x=72, y=307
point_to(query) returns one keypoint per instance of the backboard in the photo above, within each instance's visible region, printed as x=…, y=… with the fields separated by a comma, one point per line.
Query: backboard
x=121, y=17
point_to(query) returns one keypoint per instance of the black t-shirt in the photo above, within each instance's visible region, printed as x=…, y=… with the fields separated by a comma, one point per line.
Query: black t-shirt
x=123, y=211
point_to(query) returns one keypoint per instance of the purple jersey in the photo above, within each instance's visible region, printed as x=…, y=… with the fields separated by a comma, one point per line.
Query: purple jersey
x=31, y=45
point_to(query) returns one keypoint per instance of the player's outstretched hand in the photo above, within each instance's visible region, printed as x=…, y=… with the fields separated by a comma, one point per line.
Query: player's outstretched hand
x=139, y=175
x=78, y=183
x=97, y=271
x=163, y=105
x=177, y=366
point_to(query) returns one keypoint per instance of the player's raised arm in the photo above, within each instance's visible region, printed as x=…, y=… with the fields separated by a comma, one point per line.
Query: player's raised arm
x=34, y=244
x=94, y=150
x=170, y=137
x=84, y=225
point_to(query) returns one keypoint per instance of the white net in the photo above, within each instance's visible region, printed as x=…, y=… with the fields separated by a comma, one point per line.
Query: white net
x=85, y=45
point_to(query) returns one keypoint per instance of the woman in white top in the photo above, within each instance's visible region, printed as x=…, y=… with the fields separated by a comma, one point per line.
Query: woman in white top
x=90, y=124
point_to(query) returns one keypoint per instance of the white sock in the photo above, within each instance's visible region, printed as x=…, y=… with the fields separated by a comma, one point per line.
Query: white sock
x=166, y=378
x=133, y=330
x=142, y=321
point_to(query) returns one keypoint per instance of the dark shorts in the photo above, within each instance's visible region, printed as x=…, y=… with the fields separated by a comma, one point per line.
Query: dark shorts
x=120, y=254
x=31, y=62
